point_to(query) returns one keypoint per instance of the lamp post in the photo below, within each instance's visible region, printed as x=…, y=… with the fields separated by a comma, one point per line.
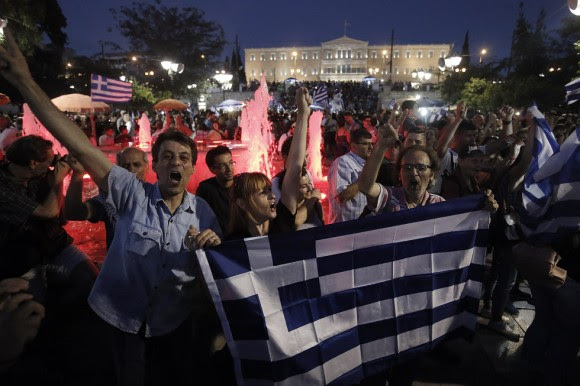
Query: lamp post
x=223, y=79
x=421, y=75
x=481, y=55
x=172, y=68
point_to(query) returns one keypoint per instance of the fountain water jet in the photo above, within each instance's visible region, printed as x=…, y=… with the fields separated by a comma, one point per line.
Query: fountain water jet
x=144, y=132
x=257, y=130
x=315, y=135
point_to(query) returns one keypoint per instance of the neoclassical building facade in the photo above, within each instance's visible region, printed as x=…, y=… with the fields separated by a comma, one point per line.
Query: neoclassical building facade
x=345, y=59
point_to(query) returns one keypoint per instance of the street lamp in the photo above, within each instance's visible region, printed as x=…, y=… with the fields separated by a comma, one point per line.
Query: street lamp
x=223, y=79
x=421, y=75
x=482, y=54
x=172, y=67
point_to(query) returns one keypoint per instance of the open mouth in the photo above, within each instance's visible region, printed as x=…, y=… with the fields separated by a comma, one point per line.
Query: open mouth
x=273, y=206
x=175, y=176
x=414, y=185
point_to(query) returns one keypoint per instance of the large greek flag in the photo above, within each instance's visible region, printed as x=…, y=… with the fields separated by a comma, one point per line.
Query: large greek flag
x=551, y=194
x=335, y=304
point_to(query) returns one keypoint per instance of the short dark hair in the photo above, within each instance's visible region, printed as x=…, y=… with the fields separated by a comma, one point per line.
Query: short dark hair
x=175, y=136
x=466, y=126
x=28, y=148
x=286, y=146
x=359, y=134
x=214, y=153
x=409, y=104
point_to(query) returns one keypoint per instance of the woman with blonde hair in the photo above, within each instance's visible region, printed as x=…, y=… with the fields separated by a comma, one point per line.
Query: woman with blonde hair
x=253, y=210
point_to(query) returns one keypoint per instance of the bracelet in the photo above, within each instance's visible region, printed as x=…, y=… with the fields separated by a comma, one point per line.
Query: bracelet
x=507, y=122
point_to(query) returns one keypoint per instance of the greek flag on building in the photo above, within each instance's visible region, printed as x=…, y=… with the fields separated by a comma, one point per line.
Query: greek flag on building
x=109, y=90
x=551, y=195
x=337, y=303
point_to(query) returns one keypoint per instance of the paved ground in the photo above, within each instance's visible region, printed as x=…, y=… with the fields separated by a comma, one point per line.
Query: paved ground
x=489, y=359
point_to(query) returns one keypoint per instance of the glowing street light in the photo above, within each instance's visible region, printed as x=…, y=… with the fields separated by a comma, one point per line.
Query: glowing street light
x=172, y=67
x=482, y=54
x=223, y=79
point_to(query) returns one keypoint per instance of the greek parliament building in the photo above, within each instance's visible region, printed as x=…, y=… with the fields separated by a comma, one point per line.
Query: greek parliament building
x=344, y=59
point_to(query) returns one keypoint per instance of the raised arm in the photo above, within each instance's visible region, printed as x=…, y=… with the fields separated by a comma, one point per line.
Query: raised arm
x=516, y=174
x=297, y=152
x=14, y=69
x=449, y=130
x=507, y=117
x=74, y=207
x=368, y=176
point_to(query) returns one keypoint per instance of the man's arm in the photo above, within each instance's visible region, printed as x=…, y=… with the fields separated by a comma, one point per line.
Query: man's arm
x=14, y=69
x=449, y=130
x=368, y=176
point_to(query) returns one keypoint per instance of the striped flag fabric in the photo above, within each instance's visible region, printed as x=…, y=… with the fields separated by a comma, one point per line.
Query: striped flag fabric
x=110, y=90
x=551, y=194
x=320, y=97
x=392, y=104
x=338, y=303
x=572, y=91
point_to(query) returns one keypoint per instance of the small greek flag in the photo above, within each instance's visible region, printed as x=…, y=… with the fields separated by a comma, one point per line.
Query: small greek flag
x=392, y=103
x=320, y=97
x=573, y=91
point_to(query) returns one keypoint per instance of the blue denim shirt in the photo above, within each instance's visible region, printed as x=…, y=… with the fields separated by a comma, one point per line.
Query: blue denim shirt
x=148, y=275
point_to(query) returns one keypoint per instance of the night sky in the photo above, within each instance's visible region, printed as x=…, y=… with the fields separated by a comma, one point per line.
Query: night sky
x=261, y=23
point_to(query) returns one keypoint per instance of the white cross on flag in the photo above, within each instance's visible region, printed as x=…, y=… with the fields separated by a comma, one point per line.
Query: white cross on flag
x=109, y=90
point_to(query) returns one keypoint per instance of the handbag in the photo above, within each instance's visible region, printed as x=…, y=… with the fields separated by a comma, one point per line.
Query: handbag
x=539, y=265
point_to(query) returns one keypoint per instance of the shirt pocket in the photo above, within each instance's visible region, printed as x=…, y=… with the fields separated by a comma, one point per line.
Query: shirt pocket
x=143, y=241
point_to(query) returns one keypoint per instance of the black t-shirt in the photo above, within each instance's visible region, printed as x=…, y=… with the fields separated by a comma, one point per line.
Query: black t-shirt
x=218, y=199
x=284, y=222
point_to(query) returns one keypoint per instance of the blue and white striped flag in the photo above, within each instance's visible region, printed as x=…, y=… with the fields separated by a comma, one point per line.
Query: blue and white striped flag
x=551, y=194
x=320, y=97
x=572, y=91
x=392, y=103
x=110, y=90
x=438, y=115
x=338, y=303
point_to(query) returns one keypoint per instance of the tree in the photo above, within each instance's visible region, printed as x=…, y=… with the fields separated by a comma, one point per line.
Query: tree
x=33, y=22
x=181, y=35
x=237, y=67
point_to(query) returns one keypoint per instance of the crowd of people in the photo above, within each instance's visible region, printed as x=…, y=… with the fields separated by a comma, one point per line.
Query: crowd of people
x=158, y=326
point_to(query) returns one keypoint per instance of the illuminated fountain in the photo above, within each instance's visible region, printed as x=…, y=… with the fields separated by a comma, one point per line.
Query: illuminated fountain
x=257, y=130
x=315, y=158
x=32, y=126
x=144, y=132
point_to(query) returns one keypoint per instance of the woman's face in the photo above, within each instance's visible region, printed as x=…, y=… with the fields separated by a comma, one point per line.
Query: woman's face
x=416, y=173
x=305, y=188
x=262, y=205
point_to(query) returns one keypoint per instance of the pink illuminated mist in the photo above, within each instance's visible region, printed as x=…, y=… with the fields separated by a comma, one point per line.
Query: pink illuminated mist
x=256, y=130
x=144, y=131
x=315, y=158
x=32, y=126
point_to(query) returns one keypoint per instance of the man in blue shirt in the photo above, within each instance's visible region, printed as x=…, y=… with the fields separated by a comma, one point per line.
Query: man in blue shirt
x=146, y=289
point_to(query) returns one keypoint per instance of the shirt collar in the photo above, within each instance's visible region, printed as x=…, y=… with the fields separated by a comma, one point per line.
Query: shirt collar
x=357, y=158
x=187, y=204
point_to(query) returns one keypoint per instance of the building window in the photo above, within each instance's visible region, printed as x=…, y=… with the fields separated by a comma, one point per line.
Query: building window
x=272, y=72
x=396, y=71
x=430, y=54
x=373, y=54
x=328, y=55
x=262, y=57
x=442, y=54
x=304, y=55
x=272, y=56
x=385, y=55
x=396, y=55
x=359, y=55
x=283, y=72
x=315, y=55
x=261, y=72
x=419, y=54
x=252, y=57
x=315, y=71
x=253, y=72
x=283, y=56
x=408, y=54
x=349, y=54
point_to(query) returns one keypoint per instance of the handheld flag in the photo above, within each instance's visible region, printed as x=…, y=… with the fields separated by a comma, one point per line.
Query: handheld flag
x=320, y=97
x=551, y=185
x=109, y=90
x=337, y=303
x=572, y=91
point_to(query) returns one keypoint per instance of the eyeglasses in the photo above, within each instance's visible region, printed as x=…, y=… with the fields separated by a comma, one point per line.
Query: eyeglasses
x=365, y=143
x=223, y=165
x=420, y=168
